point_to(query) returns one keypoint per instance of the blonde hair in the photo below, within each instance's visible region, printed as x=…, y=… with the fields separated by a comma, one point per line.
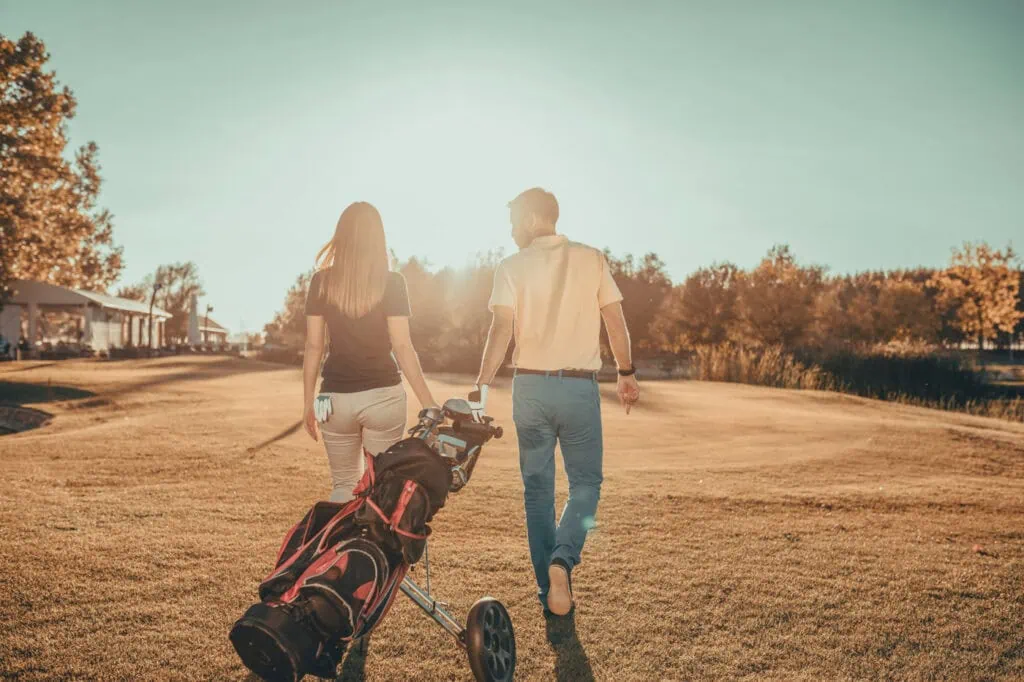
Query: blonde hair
x=355, y=261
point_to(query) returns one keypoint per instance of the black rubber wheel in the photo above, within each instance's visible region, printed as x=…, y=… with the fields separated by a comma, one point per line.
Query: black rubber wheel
x=490, y=641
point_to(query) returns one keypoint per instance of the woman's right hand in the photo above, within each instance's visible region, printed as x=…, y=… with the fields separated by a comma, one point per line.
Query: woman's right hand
x=309, y=421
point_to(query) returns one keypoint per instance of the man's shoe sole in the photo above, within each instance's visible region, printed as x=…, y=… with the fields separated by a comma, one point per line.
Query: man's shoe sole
x=559, y=594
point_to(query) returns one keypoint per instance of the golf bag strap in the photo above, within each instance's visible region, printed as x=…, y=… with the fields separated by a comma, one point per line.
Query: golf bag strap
x=408, y=490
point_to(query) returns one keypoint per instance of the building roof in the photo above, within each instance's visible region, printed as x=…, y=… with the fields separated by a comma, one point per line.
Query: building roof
x=213, y=325
x=43, y=293
x=123, y=304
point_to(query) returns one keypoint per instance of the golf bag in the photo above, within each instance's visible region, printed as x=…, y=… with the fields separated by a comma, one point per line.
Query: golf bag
x=339, y=568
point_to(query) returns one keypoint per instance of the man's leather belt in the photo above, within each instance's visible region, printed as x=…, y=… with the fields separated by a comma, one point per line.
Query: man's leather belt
x=569, y=373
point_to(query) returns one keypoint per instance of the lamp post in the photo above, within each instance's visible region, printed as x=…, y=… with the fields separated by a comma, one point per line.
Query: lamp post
x=152, y=299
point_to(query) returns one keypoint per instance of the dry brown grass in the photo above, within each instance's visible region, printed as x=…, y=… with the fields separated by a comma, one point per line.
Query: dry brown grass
x=744, y=531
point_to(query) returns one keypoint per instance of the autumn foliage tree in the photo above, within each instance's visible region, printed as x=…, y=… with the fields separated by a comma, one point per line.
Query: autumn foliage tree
x=178, y=283
x=778, y=299
x=133, y=292
x=703, y=310
x=982, y=287
x=288, y=328
x=51, y=229
x=876, y=308
x=780, y=306
x=428, y=300
x=644, y=284
x=465, y=294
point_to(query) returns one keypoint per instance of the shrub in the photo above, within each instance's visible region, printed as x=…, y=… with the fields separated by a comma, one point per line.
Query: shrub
x=906, y=373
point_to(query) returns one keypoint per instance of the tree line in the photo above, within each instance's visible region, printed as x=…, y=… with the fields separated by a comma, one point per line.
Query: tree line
x=778, y=303
x=781, y=302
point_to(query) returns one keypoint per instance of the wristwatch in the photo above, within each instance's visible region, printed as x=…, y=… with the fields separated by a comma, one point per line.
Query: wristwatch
x=627, y=372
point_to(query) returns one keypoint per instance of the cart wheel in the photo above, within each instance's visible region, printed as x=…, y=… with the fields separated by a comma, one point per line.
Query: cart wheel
x=490, y=641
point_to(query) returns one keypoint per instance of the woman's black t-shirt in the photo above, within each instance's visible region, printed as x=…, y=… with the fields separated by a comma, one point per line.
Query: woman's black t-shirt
x=359, y=356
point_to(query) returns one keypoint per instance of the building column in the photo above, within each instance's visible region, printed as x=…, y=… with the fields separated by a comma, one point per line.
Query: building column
x=87, y=336
x=33, y=320
x=10, y=325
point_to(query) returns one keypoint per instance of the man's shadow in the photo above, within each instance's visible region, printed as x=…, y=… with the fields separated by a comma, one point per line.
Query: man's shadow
x=571, y=662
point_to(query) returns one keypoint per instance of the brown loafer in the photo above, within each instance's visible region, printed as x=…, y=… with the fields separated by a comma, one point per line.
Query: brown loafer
x=560, y=600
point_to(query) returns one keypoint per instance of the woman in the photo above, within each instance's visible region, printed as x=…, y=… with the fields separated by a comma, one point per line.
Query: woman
x=365, y=309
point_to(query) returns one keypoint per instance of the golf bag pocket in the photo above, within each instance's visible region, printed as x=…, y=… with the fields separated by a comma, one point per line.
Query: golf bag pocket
x=311, y=524
x=339, y=584
x=324, y=525
x=339, y=597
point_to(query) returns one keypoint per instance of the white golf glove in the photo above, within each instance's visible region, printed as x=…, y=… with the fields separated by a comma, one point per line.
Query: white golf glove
x=323, y=408
x=478, y=403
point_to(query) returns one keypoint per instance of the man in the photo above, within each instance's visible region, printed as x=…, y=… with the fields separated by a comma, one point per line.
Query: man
x=553, y=295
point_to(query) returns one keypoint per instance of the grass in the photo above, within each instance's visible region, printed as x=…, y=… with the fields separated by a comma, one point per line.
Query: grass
x=743, y=531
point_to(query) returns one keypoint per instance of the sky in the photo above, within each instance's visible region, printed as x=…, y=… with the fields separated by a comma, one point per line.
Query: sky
x=866, y=134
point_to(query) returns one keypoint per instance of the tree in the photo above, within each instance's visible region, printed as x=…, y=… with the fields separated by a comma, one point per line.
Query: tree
x=700, y=311
x=288, y=328
x=644, y=285
x=778, y=299
x=905, y=311
x=179, y=282
x=51, y=228
x=982, y=286
x=1018, y=331
x=467, y=319
x=876, y=307
x=133, y=292
x=845, y=310
x=428, y=293
x=252, y=340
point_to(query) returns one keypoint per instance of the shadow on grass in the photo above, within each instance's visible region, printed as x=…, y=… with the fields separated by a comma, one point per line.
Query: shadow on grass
x=27, y=368
x=196, y=372
x=270, y=441
x=17, y=393
x=353, y=668
x=571, y=661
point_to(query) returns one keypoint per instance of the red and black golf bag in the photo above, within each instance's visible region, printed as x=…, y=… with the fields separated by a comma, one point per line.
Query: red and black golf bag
x=339, y=568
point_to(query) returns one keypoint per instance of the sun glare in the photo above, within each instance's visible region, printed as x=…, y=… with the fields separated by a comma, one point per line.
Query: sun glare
x=447, y=160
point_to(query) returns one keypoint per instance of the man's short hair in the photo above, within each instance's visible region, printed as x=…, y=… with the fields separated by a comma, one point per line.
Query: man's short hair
x=539, y=202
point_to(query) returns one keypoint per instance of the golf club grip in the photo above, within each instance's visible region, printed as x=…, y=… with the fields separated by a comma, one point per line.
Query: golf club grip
x=485, y=430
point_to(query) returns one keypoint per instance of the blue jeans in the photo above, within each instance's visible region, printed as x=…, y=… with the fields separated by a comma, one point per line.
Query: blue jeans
x=546, y=410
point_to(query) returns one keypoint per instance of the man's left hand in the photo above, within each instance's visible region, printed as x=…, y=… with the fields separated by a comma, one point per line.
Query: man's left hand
x=628, y=391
